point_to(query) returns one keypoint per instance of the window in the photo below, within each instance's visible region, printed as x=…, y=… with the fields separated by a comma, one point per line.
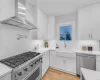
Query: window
x=66, y=33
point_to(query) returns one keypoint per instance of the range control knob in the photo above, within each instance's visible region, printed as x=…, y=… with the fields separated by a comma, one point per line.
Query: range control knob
x=19, y=73
x=35, y=62
x=31, y=64
x=41, y=58
x=25, y=69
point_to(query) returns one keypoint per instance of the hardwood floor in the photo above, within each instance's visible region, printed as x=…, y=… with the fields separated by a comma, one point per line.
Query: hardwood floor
x=53, y=74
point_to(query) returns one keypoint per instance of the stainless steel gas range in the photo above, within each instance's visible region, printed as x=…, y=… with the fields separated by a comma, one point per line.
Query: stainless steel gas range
x=26, y=66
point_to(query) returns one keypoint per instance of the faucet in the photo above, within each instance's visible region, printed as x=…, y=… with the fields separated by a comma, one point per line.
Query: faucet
x=65, y=41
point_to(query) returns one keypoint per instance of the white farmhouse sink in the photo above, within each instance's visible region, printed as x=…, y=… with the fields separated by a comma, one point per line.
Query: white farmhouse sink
x=65, y=53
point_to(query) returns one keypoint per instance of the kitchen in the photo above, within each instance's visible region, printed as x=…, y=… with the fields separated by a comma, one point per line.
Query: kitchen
x=34, y=43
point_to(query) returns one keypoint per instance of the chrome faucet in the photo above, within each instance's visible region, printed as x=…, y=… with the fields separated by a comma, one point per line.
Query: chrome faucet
x=65, y=45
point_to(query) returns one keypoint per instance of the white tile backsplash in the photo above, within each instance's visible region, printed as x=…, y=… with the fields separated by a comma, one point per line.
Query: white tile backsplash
x=76, y=45
x=71, y=45
x=93, y=43
x=52, y=43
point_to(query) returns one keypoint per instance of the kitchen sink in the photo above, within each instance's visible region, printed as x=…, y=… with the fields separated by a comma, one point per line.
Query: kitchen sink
x=65, y=53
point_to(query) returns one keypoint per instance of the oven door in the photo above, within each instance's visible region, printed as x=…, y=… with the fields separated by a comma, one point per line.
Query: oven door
x=36, y=74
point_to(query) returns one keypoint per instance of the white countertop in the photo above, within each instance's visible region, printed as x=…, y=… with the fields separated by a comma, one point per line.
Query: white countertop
x=4, y=70
x=88, y=52
x=42, y=50
x=90, y=74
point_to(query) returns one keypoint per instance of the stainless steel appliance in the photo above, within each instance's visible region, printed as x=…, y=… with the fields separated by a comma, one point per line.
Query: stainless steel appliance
x=26, y=66
x=87, y=61
x=18, y=19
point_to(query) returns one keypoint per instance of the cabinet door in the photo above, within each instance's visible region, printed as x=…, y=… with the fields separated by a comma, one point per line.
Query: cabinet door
x=97, y=65
x=60, y=63
x=47, y=59
x=85, y=23
x=53, y=59
x=70, y=65
x=6, y=77
x=95, y=21
x=6, y=6
x=56, y=61
x=51, y=28
x=42, y=23
x=45, y=64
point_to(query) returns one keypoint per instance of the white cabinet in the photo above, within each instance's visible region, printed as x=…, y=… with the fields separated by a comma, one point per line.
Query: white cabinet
x=45, y=64
x=66, y=64
x=88, y=22
x=84, y=23
x=55, y=61
x=96, y=21
x=6, y=77
x=98, y=63
x=31, y=13
x=7, y=9
x=51, y=28
x=70, y=65
x=42, y=23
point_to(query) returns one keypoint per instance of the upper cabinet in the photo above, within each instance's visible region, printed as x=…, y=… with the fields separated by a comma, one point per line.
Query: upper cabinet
x=88, y=22
x=7, y=9
x=42, y=24
x=31, y=12
x=51, y=27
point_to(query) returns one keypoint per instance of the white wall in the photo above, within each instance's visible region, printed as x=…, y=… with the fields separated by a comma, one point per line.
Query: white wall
x=74, y=44
x=9, y=45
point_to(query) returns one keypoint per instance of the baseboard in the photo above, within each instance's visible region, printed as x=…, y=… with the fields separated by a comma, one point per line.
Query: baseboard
x=64, y=71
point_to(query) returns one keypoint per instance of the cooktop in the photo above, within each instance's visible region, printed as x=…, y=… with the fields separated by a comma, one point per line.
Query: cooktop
x=17, y=60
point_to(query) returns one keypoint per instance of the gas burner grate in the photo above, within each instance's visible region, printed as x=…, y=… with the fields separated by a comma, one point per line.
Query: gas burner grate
x=17, y=60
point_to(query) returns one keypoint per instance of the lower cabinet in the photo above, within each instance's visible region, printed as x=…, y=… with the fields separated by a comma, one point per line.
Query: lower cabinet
x=54, y=60
x=45, y=64
x=70, y=65
x=97, y=63
x=65, y=64
x=6, y=77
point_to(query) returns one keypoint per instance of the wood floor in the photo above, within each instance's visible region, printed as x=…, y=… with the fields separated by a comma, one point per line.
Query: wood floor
x=53, y=74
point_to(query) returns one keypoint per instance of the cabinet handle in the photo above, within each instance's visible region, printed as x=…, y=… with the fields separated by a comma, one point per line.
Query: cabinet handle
x=91, y=36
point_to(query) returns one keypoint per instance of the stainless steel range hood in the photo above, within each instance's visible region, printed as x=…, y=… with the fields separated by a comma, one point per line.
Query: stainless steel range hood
x=19, y=20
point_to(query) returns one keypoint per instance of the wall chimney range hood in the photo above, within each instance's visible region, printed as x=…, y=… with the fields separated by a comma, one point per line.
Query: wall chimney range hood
x=18, y=10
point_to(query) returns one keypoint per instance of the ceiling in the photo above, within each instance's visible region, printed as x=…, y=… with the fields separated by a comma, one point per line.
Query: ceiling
x=62, y=7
